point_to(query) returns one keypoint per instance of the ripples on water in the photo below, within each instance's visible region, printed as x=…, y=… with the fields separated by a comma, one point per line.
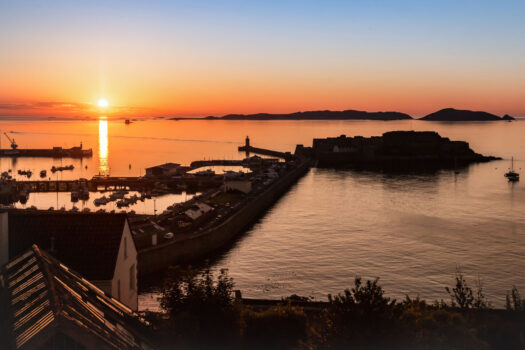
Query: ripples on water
x=411, y=230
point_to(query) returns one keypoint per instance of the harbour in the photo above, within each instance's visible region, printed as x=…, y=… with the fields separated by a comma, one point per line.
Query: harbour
x=270, y=238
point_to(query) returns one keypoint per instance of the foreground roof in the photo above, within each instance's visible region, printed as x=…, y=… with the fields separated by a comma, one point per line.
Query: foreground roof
x=88, y=242
x=41, y=297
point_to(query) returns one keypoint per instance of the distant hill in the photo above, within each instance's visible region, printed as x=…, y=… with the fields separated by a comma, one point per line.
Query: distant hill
x=318, y=115
x=456, y=115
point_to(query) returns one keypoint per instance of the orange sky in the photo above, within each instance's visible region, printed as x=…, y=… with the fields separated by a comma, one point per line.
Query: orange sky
x=165, y=59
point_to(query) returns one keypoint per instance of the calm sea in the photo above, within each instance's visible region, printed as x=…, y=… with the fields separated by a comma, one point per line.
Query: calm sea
x=411, y=230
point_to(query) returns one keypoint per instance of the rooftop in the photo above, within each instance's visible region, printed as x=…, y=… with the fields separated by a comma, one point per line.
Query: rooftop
x=42, y=298
x=88, y=242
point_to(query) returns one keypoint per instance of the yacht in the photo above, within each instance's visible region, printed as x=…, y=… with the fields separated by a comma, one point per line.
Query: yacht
x=511, y=174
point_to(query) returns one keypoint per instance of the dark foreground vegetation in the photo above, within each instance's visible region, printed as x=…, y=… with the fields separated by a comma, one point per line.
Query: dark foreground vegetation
x=202, y=313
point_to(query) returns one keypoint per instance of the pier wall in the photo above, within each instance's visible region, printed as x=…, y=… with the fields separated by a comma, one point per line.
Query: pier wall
x=198, y=245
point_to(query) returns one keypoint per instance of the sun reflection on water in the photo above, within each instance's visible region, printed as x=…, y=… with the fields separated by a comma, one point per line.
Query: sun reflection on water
x=103, y=165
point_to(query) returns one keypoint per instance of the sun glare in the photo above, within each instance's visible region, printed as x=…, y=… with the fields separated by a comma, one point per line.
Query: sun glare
x=103, y=103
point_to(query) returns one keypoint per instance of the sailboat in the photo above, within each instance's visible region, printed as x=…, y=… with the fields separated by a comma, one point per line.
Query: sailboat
x=511, y=174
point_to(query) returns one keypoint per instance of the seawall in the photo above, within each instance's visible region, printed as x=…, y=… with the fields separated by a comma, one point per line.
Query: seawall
x=197, y=245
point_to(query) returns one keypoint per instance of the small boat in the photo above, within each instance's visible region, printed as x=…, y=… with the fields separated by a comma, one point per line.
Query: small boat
x=43, y=173
x=127, y=121
x=511, y=175
x=62, y=168
x=74, y=196
x=207, y=172
x=101, y=201
x=83, y=194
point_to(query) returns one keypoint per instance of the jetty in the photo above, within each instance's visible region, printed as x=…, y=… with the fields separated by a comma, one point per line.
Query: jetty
x=190, y=231
x=55, y=152
x=267, y=152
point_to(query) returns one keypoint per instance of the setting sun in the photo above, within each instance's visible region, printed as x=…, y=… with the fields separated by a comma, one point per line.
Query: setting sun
x=103, y=103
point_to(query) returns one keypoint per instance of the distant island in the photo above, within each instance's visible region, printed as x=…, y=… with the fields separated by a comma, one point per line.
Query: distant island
x=447, y=114
x=314, y=115
x=457, y=115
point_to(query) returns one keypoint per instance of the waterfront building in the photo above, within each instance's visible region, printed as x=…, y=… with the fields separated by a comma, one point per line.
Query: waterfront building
x=97, y=245
x=163, y=170
x=46, y=305
x=244, y=186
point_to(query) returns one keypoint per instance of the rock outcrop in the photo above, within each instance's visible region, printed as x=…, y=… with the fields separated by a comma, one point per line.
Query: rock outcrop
x=457, y=115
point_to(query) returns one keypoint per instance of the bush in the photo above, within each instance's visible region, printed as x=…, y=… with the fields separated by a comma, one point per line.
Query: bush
x=463, y=296
x=361, y=317
x=202, y=311
x=514, y=301
x=279, y=327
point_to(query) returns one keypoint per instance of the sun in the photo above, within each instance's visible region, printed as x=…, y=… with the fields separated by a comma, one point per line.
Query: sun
x=102, y=103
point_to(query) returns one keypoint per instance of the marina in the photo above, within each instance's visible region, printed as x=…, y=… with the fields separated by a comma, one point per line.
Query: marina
x=113, y=158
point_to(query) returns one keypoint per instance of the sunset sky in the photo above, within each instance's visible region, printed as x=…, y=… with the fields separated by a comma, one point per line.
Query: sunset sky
x=196, y=58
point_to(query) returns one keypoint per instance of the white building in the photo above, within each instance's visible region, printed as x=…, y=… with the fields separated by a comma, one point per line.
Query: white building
x=98, y=246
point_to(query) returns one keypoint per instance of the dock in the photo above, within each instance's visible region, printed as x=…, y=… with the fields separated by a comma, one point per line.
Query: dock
x=55, y=152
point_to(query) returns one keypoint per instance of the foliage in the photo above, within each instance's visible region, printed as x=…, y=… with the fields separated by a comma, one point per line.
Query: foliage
x=278, y=327
x=514, y=301
x=204, y=314
x=360, y=317
x=202, y=310
x=464, y=297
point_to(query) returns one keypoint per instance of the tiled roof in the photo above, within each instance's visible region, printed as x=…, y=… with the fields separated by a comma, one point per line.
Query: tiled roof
x=41, y=296
x=89, y=243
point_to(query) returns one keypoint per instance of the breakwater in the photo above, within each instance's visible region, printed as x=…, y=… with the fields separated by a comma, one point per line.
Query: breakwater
x=55, y=152
x=196, y=245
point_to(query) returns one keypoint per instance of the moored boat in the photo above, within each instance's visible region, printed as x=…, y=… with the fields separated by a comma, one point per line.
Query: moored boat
x=511, y=175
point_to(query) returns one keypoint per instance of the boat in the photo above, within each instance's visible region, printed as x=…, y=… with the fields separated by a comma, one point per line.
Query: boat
x=127, y=121
x=101, y=201
x=74, y=196
x=83, y=194
x=43, y=173
x=511, y=175
x=62, y=168
x=207, y=172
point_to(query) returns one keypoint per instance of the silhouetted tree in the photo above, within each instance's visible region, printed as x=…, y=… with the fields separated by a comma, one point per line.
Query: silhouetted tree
x=514, y=301
x=361, y=317
x=202, y=311
x=278, y=327
x=463, y=296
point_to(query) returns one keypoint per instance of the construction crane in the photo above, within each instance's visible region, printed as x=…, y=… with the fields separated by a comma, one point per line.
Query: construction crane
x=13, y=143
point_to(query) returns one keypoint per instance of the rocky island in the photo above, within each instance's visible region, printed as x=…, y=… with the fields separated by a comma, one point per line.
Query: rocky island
x=457, y=115
x=318, y=115
x=393, y=150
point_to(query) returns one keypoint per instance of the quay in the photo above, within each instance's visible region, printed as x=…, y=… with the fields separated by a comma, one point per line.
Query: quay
x=55, y=152
x=192, y=230
x=222, y=162
x=96, y=183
